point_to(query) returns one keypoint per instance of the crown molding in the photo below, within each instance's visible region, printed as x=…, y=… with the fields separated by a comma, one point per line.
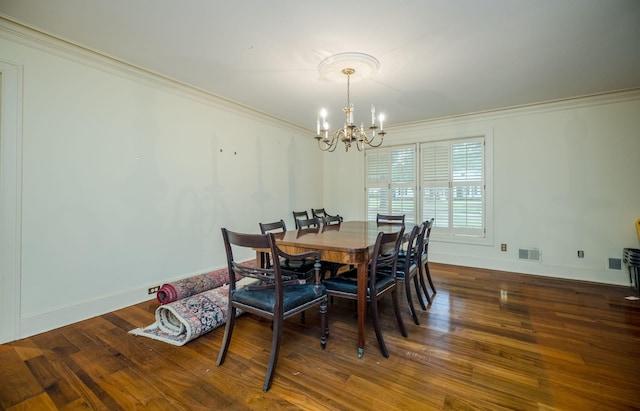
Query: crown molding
x=35, y=38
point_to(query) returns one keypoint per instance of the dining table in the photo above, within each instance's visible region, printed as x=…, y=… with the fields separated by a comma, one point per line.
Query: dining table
x=350, y=242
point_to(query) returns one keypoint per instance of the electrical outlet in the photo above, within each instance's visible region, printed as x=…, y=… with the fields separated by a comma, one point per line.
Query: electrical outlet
x=153, y=290
x=503, y=247
x=580, y=254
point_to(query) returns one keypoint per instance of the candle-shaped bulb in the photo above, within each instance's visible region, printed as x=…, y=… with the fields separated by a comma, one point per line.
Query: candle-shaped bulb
x=351, y=109
x=373, y=115
x=323, y=114
x=381, y=118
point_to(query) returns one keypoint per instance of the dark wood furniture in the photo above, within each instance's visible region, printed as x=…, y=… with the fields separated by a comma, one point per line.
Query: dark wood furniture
x=309, y=223
x=321, y=213
x=304, y=269
x=390, y=219
x=381, y=281
x=274, y=298
x=408, y=269
x=424, y=260
x=300, y=215
x=331, y=220
x=349, y=243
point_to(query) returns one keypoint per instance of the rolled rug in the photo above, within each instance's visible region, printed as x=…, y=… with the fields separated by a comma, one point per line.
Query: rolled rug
x=176, y=290
x=186, y=287
x=186, y=319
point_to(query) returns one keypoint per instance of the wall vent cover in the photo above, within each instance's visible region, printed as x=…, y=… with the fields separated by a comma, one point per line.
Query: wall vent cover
x=532, y=254
x=615, y=264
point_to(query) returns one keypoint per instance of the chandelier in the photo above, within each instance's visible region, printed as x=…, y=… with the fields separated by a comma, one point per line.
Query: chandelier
x=350, y=133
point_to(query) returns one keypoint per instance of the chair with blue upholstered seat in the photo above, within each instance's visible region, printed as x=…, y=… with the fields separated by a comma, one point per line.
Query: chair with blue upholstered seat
x=408, y=269
x=276, y=296
x=424, y=259
x=380, y=282
x=302, y=268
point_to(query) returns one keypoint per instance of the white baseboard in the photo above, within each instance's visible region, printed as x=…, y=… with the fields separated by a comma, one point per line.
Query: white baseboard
x=613, y=277
x=46, y=321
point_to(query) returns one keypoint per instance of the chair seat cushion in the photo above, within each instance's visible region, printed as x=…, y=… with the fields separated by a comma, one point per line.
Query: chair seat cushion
x=294, y=295
x=348, y=282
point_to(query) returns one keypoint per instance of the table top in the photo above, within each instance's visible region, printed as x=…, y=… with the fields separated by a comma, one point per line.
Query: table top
x=349, y=242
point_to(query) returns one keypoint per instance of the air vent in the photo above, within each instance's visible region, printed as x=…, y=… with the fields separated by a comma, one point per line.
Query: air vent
x=615, y=264
x=532, y=254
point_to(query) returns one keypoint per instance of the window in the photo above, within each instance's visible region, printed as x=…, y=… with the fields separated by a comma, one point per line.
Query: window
x=391, y=182
x=453, y=186
x=447, y=180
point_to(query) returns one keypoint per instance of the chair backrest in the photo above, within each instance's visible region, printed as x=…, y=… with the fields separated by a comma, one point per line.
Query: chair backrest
x=278, y=226
x=238, y=270
x=428, y=225
x=390, y=219
x=300, y=215
x=414, y=247
x=318, y=212
x=308, y=223
x=385, y=255
x=331, y=220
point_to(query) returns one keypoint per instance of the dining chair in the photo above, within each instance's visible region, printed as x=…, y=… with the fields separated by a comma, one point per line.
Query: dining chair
x=302, y=268
x=380, y=283
x=300, y=215
x=424, y=259
x=390, y=219
x=276, y=296
x=320, y=213
x=308, y=223
x=327, y=266
x=331, y=220
x=408, y=269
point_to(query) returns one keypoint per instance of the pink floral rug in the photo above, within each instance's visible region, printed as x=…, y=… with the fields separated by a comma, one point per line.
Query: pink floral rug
x=191, y=307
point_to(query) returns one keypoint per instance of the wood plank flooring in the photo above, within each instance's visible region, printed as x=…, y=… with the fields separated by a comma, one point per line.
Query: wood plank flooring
x=490, y=341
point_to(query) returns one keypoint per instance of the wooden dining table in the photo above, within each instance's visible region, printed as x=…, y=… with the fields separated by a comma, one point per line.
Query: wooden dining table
x=350, y=242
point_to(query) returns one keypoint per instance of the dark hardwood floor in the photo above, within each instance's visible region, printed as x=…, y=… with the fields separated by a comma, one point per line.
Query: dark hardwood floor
x=490, y=341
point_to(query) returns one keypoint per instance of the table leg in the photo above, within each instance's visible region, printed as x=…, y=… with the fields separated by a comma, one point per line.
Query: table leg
x=362, y=305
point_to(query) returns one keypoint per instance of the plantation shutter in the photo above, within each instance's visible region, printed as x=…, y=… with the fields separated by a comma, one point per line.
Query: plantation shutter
x=435, y=184
x=452, y=178
x=378, y=178
x=468, y=187
x=391, y=182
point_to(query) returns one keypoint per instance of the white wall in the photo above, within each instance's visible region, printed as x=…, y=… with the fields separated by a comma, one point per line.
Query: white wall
x=565, y=179
x=127, y=179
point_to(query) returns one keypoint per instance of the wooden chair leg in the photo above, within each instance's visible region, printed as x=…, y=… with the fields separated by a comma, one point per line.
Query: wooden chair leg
x=426, y=268
x=416, y=284
x=324, y=327
x=373, y=307
x=407, y=288
x=422, y=283
x=228, y=330
x=396, y=309
x=275, y=350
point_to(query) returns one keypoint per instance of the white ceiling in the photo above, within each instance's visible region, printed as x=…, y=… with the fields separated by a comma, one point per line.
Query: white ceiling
x=437, y=58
